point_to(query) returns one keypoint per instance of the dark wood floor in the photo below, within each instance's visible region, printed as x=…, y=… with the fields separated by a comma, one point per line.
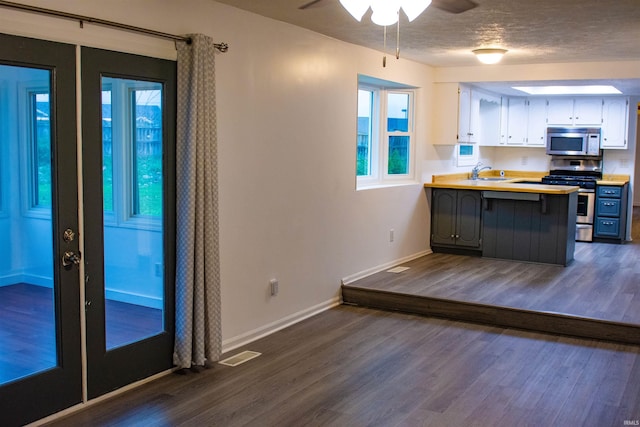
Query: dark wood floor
x=27, y=328
x=352, y=366
x=602, y=283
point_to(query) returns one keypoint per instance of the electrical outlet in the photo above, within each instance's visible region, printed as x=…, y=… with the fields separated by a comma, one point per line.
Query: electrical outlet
x=391, y=235
x=158, y=269
x=273, y=284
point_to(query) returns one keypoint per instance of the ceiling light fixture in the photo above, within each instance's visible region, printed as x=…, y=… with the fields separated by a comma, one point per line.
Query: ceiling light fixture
x=489, y=56
x=569, y=90
x=385, y=12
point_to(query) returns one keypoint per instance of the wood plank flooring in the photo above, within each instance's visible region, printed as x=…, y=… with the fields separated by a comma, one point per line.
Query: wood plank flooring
x=352, y=366
x=603, y=283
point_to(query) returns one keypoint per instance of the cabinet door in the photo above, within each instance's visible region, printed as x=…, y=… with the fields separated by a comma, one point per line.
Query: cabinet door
x=517, y=121
x=614, y=123
x=443, y=216
x=468, y=221
x=464, y=115
x=504, y=120
x=537, y=123
x=587, y=111
x=560, y=112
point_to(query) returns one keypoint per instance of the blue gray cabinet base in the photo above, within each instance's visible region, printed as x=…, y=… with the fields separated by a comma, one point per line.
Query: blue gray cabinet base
x=610, y=223
x=540, y=228
x=520, y=226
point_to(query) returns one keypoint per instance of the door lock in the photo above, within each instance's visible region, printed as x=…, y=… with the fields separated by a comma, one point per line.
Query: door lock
x=70, y=258
x=68, y=235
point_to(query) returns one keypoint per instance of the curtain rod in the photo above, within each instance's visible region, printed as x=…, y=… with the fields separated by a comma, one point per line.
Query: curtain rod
x=222, y=47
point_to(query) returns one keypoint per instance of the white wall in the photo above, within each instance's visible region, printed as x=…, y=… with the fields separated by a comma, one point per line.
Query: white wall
x=286, y=129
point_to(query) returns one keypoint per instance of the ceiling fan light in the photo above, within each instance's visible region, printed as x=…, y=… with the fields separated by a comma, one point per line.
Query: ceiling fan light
x=385, y=12
x=356, y=8
x=489, y=56
x=413, y=8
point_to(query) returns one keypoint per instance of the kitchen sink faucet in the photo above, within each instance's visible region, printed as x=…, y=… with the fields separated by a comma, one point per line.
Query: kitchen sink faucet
x=476, y=169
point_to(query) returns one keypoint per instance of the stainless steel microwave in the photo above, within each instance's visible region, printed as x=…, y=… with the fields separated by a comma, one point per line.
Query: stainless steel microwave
x=573, y=141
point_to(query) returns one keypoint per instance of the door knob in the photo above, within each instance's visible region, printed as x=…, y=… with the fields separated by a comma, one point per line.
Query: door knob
x=70, y=258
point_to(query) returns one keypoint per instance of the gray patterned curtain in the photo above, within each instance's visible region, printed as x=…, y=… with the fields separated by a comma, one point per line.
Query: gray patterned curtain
x=198, y=338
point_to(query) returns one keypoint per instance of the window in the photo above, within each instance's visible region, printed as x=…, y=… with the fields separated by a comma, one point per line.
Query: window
x=35, y=146
x=132, y=152
x=40, y=149
x=385, y=142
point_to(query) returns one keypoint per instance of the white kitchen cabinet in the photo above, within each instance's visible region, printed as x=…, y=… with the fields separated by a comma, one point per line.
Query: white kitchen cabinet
x=468, y=115
x=536, y=121
x=517, y=121
x=585, y=111
x=504, y=120
x=615, y=123
x=527, y=121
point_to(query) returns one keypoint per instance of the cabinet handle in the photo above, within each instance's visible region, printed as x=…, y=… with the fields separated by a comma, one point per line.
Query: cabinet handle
x=453, y=236
x=457, y=236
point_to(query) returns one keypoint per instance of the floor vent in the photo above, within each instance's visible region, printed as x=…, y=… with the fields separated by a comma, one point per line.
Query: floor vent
x=239, y=358
x=397, y=269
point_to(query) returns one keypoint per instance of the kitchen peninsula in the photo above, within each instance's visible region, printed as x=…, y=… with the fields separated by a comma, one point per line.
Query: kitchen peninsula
x=503, y=217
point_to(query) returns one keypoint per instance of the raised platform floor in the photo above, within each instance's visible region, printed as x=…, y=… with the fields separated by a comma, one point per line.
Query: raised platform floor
x=597, y=296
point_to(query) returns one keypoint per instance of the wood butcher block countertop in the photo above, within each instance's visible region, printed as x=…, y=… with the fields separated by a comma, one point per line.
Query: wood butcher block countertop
x=514, y=182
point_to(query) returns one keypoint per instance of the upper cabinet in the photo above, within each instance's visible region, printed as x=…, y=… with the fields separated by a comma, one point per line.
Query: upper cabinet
x=465, y=115
x=574, y=111
x=526, y=121
x=615, y=123
x=468, y=115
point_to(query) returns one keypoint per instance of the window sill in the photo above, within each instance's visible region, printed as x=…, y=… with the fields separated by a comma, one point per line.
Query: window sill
x=387, y=184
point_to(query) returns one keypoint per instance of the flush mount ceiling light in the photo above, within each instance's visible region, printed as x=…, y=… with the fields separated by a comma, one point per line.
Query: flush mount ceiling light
x=569, y=90
x=489, y=56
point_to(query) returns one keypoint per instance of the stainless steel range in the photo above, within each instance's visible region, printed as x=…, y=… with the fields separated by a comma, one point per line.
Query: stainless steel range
x=581, y=172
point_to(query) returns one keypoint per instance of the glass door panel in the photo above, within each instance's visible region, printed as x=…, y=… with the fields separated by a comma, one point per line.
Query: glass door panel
x=40, y=360
x=27, y=312
x=133, y=196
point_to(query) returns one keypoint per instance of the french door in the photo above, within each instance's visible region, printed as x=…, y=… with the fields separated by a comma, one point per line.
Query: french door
x=118, y=255
x=129, y=219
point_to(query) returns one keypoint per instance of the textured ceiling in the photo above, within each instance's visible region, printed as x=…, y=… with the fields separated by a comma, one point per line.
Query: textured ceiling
x=533, y=31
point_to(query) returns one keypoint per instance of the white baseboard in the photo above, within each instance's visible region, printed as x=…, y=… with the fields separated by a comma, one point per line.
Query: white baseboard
x=143, y=300
x=248, y=337
x=32, y=279
x=373, y=270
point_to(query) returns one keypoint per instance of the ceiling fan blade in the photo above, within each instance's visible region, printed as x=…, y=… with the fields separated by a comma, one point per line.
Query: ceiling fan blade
x=309, y=4
x=454, y=6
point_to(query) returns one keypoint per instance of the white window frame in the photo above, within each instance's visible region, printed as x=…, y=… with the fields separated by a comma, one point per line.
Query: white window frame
x=379, y=174
x=122, y=158
x=25, y=135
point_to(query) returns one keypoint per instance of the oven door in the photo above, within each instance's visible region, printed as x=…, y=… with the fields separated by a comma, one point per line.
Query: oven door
x=585, y=214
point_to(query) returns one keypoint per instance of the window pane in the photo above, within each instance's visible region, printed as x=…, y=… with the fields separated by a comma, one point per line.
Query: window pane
x=398, y=155
x=148, y=152
x=107, y=152
x=41, y=143
x=398, y=112
x=365, y=115
x=133, y=181
x=29, y=338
